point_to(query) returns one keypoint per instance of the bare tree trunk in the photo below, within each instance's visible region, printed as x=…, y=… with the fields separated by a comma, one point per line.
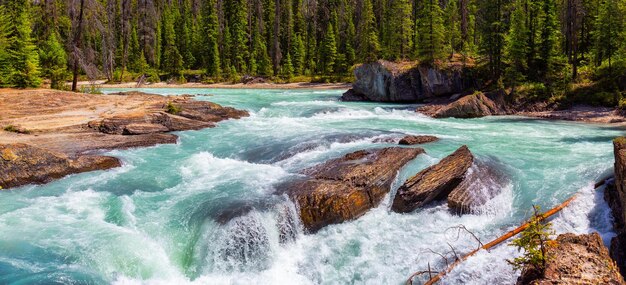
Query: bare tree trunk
x=77, y=39
x=276, y=55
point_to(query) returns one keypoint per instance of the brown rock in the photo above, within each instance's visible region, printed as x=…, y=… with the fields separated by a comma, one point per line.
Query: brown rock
x=576, y=259
x=28, y=164
x=412, y=140
x=345, y=188
x=482, y=182
x=143, y=128
x=616, y=198
x=433, y=183
x=472, y=106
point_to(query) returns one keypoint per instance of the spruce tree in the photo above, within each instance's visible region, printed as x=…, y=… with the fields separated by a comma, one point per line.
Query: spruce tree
x=368, y=48
x=287, y=68
x=23, y=54
x=239, y=37
x=211, y=60
x=172, y=60
x=454, y=42
x=609, y=24
x=517, y=44
x=298, y=51
x=430, y=45
x=53, y=61
x=5, y=59
x=328, y=53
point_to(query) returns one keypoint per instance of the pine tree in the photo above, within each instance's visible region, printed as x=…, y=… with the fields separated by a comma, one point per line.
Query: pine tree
x=454, y=42
x=287, y=68
x=328, y=53
x=5, y=58
x=607, y=34
x=53, y=61
x=517, y=44
x=492, y=29
x=549, y=38
x=368, y=48
x=211, y=60
x=22, y=52
x=297, y=49
x=172, y=60
x=397, y=35
x=238, y=23
x=430, y=46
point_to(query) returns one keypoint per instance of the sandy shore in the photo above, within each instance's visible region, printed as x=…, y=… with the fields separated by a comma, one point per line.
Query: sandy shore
x=299, y=85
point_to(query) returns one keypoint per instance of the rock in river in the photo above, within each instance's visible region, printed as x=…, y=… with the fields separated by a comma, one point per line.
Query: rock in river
x=481, y=183
x=575, y=259
x=22, y=164
x=433, y=183
x=412, y=140
x=473, y=106
x=345, y=188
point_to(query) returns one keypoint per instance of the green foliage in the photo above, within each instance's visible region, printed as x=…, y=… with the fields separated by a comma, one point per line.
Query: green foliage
x=430, y=31
x=91, y=89
x=172, y=109
x=328, y=54
x=534, y=242
x=607, y=36
x=23, y=57
x=397, y=33
x=53, y=61
x=172, y=60
x=287, y=68
x=368, y=49
x=5, y=58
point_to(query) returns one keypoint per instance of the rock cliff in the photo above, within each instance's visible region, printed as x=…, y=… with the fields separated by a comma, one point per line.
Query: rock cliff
x=385, y=81
x=615, y=195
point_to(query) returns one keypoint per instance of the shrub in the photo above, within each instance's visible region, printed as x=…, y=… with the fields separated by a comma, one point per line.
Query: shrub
x=534, y=241
x=172, y=109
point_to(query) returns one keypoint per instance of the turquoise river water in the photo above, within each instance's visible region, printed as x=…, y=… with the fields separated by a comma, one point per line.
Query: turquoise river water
x=156, y=220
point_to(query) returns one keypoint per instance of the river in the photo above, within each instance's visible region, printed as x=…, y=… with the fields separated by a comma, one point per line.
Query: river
x=170, y=215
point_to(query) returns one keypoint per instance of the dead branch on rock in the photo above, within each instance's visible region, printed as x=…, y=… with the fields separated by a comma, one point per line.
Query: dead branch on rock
x=460, y=228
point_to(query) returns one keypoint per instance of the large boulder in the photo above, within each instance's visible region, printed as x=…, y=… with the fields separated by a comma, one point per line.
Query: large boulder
x=190, y=115
x=474, y=106
x=385, y=81
x=482, y=182
x=433, y=183
x=575, y=259
x=22, y=164
x=413, y=140
x=615, y=195
x=345, y=188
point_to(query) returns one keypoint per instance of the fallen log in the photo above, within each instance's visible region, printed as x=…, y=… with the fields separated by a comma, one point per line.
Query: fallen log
x=502, y=238
x=493, y=243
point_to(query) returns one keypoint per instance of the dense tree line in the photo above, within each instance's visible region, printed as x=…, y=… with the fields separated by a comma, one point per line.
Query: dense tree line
x=514, y=40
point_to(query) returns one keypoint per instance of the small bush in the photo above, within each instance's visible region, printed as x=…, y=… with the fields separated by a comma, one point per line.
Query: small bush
x=172, y=109
x=91, y=89
x=534, y=241
x=14, y=129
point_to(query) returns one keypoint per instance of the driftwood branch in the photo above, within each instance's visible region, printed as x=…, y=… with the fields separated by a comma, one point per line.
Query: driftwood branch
x=504, y=237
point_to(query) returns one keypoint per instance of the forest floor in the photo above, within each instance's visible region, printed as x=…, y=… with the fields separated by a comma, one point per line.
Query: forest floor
x=294, y=85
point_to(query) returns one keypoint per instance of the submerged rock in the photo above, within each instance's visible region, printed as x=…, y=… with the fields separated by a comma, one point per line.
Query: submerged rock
x=576, y=259
x=412, y=140
x=433, y=183
x=22, y=164
x=616, y=198
x=385, y=81
x=345, y=188
x=474, y=106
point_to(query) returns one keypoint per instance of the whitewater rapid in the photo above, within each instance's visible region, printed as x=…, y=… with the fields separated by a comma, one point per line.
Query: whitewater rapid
x=204, y=211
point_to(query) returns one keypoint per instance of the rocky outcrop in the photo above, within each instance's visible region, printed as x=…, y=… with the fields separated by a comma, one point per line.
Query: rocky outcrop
x=474, y=106
x=193, y=115
x=22, y=164
x=576, y=259
x=345, y=188
x=482, y=182
x=413, y=140
x=385, y=81
x=615, y=194
x=433, y=183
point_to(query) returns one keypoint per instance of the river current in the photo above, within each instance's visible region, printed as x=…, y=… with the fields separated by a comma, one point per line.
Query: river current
x=171, y=214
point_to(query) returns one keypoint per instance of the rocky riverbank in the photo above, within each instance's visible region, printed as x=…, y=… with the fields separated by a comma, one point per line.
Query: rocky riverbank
x=450, y=92
x=47, y=134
